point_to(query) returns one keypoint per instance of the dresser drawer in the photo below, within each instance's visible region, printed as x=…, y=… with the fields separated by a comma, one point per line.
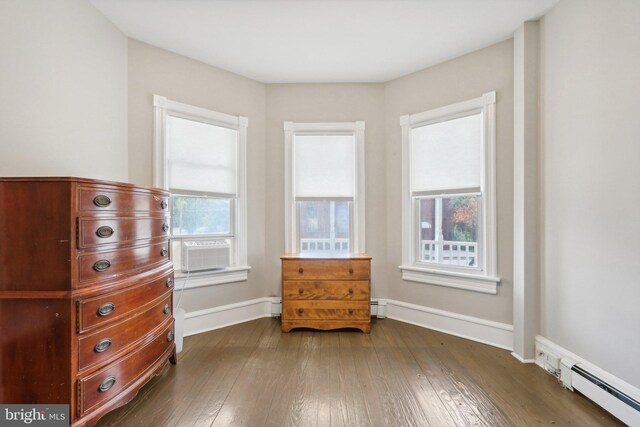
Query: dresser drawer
x=326, y=310
x=104, y=344
x=96, y=231
x=348, y=269
x=325, y=290
x=109, y=264
x=114, y=378
x=111, y=200
x=93, y=312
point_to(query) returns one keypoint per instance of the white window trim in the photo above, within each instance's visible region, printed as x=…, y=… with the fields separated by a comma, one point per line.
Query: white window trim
x=290, y=216
x=485, y=279
x=163, y=107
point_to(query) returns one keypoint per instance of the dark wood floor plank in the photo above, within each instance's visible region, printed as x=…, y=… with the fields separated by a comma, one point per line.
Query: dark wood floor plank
x=562, y=405
x=293, y=398
x=401, y=387
x=457, y=389
x=373, y=389
x=222, y=372
x=399, y=375
x=436, y=412
x=163, y=395
x=357, y=413
x=250, y=398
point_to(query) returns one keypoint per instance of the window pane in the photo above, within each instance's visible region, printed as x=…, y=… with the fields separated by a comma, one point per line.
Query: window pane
x=201, y=215
x=446, y=155
x=202, y=156
x=324, y=165
x=325, y=226
x=449, y=230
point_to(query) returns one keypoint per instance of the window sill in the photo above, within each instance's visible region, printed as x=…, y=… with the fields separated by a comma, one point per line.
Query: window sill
x=202, y=279
x=451, y=279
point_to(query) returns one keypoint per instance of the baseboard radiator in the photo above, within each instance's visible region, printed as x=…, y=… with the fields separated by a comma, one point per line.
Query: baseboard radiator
x=610, y=398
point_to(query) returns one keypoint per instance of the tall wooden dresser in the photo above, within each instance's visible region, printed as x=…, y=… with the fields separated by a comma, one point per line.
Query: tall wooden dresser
x=326, y=293
x=85, y=292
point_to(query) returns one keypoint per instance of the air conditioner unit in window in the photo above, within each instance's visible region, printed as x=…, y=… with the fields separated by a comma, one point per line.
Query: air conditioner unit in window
x=200, y=255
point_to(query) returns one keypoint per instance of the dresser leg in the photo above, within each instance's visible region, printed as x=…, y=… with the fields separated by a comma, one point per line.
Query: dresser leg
x=173, y=359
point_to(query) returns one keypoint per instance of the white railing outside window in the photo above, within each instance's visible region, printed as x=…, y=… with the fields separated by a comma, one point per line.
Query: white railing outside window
x=449, y=252
x=325, y=245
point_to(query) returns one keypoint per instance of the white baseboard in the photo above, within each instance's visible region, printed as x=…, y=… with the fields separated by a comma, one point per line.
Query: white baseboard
x=227, y=315
x=473, y=328
x=546, y=346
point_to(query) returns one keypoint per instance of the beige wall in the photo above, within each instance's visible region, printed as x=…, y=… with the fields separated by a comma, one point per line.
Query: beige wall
x=590, y=141
x=327, y=103
x=457, y=80
x=63, y=91
x=156, y=71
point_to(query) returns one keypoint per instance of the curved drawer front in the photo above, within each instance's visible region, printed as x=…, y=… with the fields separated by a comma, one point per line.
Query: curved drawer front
x=96, y=231
x=325, y=290
x=114, y=378
x=97, y=311
x=110, y=200
x=348, y=269
x=109, y=264
x=326, y=310
x=109, y=342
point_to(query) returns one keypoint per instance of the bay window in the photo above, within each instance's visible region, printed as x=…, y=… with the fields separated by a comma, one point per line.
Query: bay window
x=449, y=233
x=324, y=188
x=199, y=156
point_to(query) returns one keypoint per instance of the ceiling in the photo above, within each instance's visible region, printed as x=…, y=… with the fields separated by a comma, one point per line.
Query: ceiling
x=289, y=41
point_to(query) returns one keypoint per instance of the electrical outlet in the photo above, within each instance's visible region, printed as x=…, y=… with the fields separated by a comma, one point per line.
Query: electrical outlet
x=552, y=362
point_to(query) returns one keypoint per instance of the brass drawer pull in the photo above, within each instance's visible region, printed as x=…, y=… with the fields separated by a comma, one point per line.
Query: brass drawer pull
x=102, y=345
x=104, y=231
x=106, y=309
x=165, y=227
x=101, y=265
x=301, y=270
x=301, y=311
x=101, y=201
x=169, y=282
x=107, y=384
x=166, y=309
x=163, y=252
x=170, y=336
x=164, y=204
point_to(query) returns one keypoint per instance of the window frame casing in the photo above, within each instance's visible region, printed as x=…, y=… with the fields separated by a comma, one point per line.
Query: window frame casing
x=291, y=209
x=164, y=107
x=483, y=279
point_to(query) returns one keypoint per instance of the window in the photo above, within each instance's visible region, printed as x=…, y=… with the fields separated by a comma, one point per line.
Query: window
x=199, y=156
x=449, y=232
x=324, y=188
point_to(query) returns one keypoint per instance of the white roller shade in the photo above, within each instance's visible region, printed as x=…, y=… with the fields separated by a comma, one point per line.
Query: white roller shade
x=203, y=157
x=324, y=165
x=446, y=155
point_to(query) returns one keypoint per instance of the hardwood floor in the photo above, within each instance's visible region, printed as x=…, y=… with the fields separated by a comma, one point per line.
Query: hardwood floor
x=400, y=375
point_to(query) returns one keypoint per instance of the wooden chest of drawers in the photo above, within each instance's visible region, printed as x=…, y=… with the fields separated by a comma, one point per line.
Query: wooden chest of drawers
x=326, y=293
x=86, y=313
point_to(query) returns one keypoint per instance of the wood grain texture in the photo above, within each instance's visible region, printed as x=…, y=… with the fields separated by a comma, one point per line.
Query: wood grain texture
x=326, y=294
x=327, y=289
x=321, y=269
x=399, y=375
x=54, y=345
